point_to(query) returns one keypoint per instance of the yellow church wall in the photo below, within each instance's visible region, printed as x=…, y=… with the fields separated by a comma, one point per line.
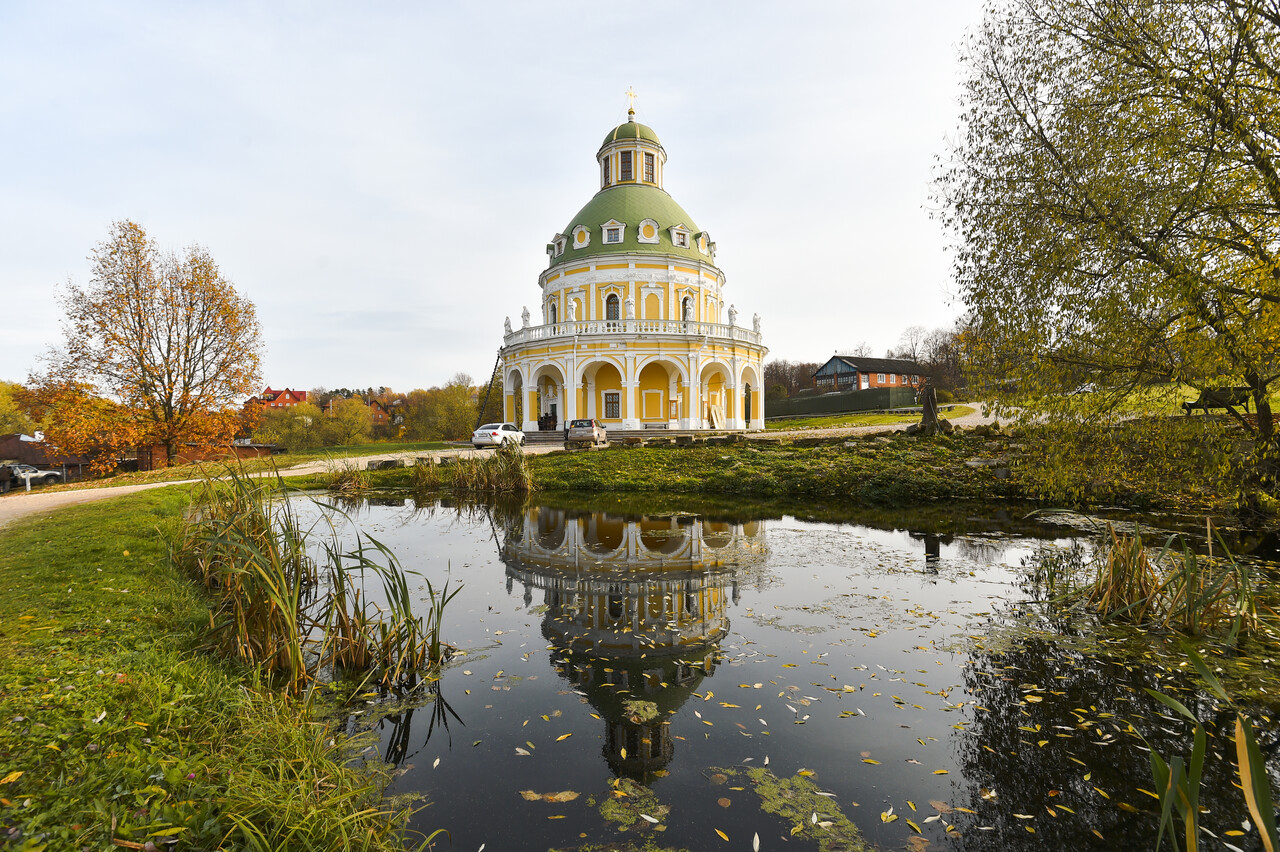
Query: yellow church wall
x=653, y=392
x=652, y=307
x=608, y=379
x=651, y=266
x=612, y=266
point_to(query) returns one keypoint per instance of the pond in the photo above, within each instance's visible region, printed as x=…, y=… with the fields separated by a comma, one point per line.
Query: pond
x=692, y=678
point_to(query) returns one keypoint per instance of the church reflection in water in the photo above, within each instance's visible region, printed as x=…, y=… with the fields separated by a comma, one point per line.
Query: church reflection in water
x=635, y=610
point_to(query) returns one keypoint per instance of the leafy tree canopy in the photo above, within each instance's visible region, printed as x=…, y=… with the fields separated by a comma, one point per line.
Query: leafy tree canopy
x=158, y=349
x=1115, y=187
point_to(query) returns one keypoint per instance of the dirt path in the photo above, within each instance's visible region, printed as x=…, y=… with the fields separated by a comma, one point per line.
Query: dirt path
x=20, y=504
x=17, y=505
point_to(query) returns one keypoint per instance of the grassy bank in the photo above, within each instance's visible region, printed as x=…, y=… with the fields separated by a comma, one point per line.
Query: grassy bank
x=850, y=420
x=1163, y=464
x=116, y=730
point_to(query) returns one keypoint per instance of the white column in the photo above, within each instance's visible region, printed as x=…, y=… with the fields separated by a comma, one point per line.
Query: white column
x=630, y=387
x=591, y=399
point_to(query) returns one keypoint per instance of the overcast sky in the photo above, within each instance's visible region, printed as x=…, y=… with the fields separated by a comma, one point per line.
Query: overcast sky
x=381, y=179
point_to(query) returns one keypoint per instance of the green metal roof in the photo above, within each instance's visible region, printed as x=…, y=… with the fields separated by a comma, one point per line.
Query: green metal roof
x=631, y=130
x=631, y=204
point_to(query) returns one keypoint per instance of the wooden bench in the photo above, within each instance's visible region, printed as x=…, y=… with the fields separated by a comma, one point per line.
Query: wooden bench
x=1220, y=398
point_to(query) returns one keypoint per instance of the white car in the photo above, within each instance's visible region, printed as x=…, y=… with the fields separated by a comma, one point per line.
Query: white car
x=22, y=472
x=495, y=435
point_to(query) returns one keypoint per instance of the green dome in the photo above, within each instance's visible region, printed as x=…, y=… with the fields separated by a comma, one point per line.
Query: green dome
x=631, y=204
x=631, y=130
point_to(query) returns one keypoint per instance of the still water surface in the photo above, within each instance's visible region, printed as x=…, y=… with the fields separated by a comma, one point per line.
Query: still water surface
x=667, y=680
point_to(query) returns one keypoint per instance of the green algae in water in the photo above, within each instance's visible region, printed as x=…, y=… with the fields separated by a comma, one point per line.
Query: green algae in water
x=641, y=711
x=628, y=810
x=796, y=800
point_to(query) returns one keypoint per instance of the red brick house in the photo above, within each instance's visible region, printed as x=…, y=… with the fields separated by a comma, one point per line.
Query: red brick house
x=277, y=398
x=853, y=372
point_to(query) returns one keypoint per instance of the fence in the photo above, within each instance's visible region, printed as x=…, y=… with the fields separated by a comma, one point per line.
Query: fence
x=872, y=399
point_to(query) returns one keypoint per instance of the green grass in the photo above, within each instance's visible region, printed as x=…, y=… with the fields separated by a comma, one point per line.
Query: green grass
x=293, y=458
x=852, y=419
x=115, y=725
x=1174, y=464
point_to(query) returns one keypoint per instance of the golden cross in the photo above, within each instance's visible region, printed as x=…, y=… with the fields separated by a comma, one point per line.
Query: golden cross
x=631, y=99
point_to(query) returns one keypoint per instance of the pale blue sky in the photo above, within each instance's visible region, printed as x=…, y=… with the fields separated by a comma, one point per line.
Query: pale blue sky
x=381, y=179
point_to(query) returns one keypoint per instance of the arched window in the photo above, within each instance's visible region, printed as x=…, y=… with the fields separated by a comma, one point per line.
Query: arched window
x=552, y=314
x=611, y=308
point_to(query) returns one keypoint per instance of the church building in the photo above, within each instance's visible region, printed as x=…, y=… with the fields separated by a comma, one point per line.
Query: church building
x=632, y=326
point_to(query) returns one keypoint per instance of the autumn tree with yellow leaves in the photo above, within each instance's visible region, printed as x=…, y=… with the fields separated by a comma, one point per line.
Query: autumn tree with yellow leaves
x=1114, y=190
x=159, y=349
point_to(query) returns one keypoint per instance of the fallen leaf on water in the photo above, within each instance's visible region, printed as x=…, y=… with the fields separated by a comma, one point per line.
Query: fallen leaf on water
x=562, y=796
x=648, y=819
x=941, y=772
x=523, y=752
x=915, y=827
x=755, y=843
x=723, y=836
x=564, y=736
x=872, y=762
x=724, y=803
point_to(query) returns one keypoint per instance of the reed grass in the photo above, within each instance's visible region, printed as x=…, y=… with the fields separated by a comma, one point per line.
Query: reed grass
x=290, y=619
x=1175, y=589
x=1178, y=779
x=505, y=471
x=249, y=548
x=393, y=644
x=345, y=477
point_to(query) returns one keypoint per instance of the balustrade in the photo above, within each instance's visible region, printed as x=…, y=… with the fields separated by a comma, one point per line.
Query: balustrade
x=681, y=328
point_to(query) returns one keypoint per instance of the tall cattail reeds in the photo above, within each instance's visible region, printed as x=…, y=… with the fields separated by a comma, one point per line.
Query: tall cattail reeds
x=290, y=617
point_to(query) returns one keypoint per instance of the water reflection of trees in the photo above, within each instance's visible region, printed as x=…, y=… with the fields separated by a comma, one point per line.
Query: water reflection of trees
x=1021, y=748
x=635, y=608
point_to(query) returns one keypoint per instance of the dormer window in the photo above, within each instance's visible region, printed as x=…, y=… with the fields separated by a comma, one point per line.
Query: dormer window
x=581, y=237
x=624, y=166
x=680, y=236
x=613, y=231
x=649, y=168
x=647, y=232
x=560, y=241
x=703, y=242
